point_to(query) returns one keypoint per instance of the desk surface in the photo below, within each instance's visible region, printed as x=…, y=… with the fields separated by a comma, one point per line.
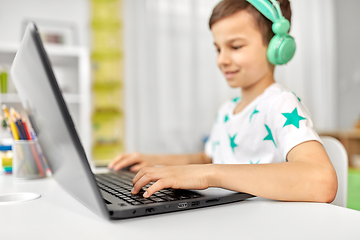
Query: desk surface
x=57, y=215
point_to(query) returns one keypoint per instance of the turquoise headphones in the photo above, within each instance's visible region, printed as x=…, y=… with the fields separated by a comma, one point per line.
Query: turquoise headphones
x=282, y=46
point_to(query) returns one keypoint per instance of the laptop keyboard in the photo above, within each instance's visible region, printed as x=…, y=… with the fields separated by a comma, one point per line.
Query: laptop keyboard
x=120, y=185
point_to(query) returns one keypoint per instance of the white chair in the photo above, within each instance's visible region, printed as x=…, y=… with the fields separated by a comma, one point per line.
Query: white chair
x=339, y=159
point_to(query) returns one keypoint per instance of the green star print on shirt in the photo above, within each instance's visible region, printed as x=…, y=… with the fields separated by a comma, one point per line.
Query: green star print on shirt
x=254, y=112
x=235, y=100
x=269, y=136
x=215, y=144
x=251, y=162
x=293, y=118
x=296, y=96
x=233, y=145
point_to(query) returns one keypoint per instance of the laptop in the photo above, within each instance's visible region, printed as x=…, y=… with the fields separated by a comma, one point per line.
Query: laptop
x=107, y=194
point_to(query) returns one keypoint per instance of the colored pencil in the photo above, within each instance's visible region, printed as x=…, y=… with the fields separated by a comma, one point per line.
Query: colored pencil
x=26, y=129
x=11, y=123
x=32, y=136
x=21, y=136
x=20, y=123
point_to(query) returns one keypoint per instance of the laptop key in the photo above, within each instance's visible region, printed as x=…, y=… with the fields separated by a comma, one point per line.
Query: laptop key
x=159, y=200
x=137, y=197
x=159, y=194
x=152, y=198
x=169, y=198
x=145, y=201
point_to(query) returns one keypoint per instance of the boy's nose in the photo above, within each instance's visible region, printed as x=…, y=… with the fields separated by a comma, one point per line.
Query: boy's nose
x=223, y=58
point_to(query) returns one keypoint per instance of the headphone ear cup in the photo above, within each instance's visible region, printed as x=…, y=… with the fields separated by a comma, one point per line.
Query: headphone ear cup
x=281, y=49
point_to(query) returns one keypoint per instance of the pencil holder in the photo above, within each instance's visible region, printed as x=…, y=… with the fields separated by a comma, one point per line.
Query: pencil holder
x=28, y=161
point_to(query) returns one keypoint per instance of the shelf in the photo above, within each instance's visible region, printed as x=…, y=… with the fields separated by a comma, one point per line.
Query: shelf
x=59, y=55
x=61, y=51
x=14, y=98
x=9, y=98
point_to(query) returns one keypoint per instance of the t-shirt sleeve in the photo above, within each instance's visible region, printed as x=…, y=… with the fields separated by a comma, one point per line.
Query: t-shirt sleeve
x=290, y=123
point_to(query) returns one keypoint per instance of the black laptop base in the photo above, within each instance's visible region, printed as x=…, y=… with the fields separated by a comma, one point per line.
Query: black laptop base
x=116, y=190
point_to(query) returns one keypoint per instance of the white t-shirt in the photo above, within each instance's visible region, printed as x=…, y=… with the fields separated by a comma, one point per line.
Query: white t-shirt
x=263, y=132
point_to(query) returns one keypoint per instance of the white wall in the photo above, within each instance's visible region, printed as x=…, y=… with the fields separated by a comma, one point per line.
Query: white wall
x=14, y=12
x=173, y=86
x=348, y=51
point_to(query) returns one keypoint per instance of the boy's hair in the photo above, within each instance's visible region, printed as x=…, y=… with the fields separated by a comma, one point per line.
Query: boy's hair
x=229, y=7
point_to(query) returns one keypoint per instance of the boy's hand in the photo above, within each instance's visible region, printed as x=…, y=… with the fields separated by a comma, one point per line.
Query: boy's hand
x=178, y=177
x=125, y=160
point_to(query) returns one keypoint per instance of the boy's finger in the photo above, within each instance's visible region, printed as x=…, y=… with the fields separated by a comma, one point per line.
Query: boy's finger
x=139, y=175
x=116, y=159
x=157, y=186
x=137, y=167
x=140, y=183
x=125, y=162
x=112, y=163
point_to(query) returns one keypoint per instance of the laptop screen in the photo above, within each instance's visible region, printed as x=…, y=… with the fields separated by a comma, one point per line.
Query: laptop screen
x=41, y=97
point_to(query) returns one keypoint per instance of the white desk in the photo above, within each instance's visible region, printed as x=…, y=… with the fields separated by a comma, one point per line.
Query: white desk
x=57, y=215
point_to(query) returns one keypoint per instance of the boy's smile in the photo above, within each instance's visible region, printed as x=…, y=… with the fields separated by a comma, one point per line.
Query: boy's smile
x=230, y=74
x=241, y=51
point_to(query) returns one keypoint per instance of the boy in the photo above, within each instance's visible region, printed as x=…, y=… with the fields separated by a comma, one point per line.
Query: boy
x=268, y=124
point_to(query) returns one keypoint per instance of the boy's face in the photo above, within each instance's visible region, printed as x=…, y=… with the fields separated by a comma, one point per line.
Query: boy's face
x=241, y=50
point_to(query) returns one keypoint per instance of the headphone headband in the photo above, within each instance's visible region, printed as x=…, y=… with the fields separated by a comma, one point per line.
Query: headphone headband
x=271, y=10
x=276, y=5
